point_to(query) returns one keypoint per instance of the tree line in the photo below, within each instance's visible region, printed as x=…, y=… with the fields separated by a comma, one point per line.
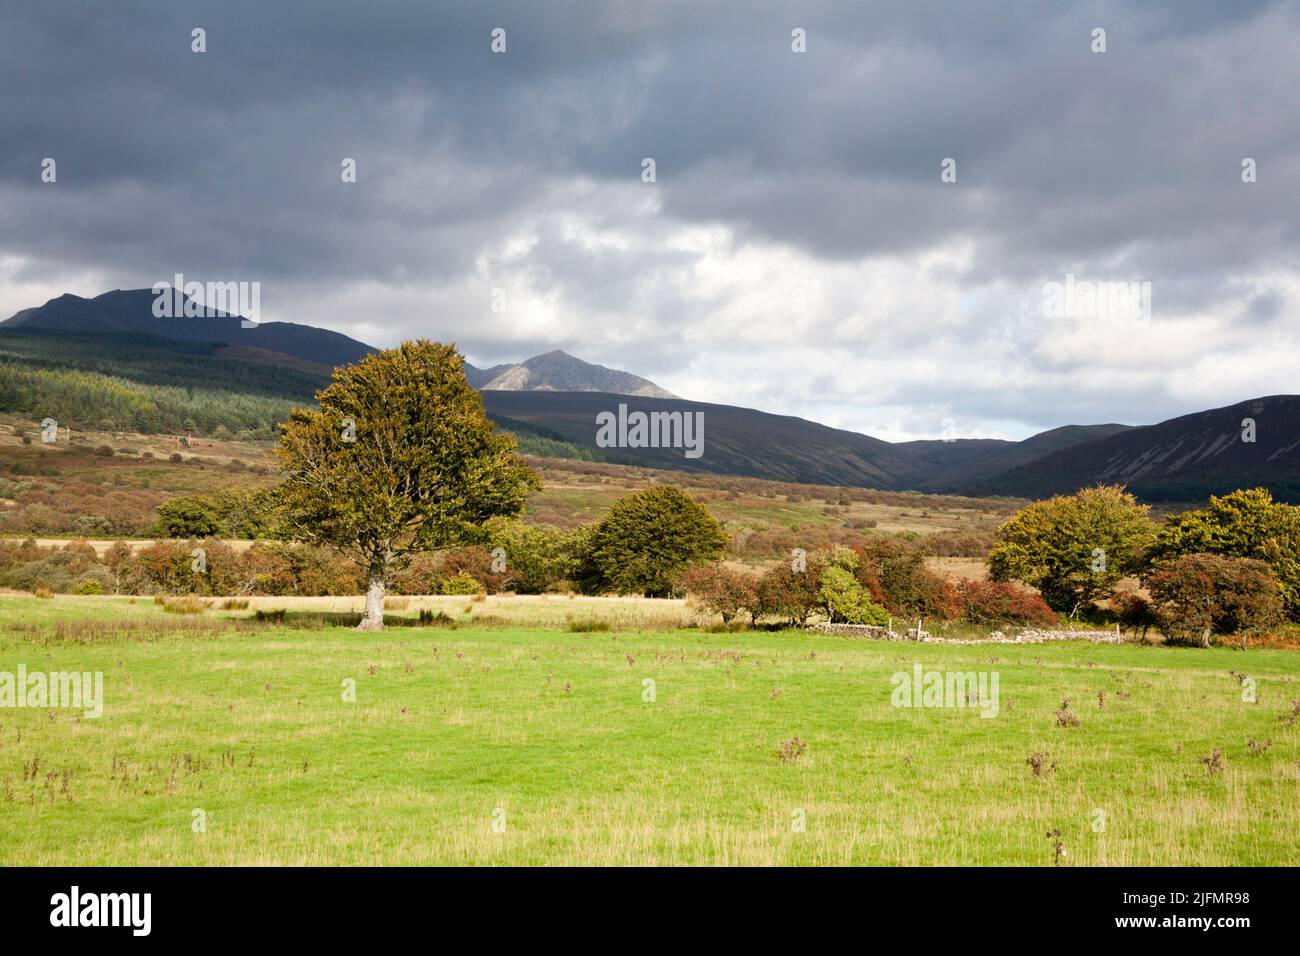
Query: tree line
x=1229, y=568
x=399, y=467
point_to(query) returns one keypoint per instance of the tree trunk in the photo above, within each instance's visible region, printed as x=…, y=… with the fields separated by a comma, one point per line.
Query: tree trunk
x=373, y=618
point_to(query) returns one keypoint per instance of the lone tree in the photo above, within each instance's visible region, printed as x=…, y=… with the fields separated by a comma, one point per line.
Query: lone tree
x=1074, y=548
x=399, y=458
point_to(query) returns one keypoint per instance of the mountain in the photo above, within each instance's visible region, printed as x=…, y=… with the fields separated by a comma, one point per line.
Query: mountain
x=130, y=312
x=945, y=466
x=560, y=372
x=109, y=359
x=737, y=441
x=1182, y=459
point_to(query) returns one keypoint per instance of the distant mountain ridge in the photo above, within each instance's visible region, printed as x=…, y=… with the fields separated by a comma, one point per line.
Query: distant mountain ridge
x=131, y=312
x=1183, y=459
x=558, y=371
x=1255, y=442
x=978, y=460
x=558, y=397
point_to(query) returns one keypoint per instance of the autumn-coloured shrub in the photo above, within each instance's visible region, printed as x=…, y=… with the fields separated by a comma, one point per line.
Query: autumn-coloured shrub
x=479, y=565
x=998, y=603
x=166, y=567
x=420, y=575
x=894, y=572
x=788, y=594
x=290, y=568
x=1134, y=612
x=717, y=589
x=27, y=567
x=1200, y=595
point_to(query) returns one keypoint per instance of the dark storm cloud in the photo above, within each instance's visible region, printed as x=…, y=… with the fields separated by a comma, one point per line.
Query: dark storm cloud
x=1121, y=165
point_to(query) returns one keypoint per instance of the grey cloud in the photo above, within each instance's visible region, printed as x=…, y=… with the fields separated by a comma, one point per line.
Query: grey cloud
x=1116, y=166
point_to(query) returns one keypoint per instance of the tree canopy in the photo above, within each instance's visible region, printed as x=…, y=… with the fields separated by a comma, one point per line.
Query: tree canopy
x=398, y=458
x=1243, y=524
x=647, y=540
x=1074, y=548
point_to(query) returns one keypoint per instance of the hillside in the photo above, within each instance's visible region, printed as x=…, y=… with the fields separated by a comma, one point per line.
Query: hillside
x=962, y=464
x=74, y=489
x=302, y=347
x=1182, y=459
x=131, y=312
x=737, y=441
x=127, y=379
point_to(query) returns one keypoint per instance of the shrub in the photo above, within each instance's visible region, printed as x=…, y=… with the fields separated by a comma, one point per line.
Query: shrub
x=957, y=544
x=1198, y=595
x=720, y=590
x=230, y=513
x=536, y=557
x=167, y=567
x=587, y=625
x=1134, y=612
x=462, y=582
x=843, y=596
x=477, y=564
x=189, y=516
x=104, y=451
x=189, y=604
x=55, y=569
x=894, y=571
x=420, y=575
x=647, y=540
x=281, y=568
x=88, y=586
x=999, y=603
x=789, y=595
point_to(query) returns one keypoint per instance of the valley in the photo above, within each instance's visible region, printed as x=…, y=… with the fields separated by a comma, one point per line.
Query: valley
x=107, y=364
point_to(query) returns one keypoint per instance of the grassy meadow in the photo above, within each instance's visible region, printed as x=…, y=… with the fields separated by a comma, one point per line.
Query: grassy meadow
x=514, y=713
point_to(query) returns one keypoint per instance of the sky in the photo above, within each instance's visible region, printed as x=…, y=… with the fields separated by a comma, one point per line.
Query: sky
x=865, y=214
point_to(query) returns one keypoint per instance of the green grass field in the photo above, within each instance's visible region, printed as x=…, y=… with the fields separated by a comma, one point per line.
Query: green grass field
x=548, y=732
